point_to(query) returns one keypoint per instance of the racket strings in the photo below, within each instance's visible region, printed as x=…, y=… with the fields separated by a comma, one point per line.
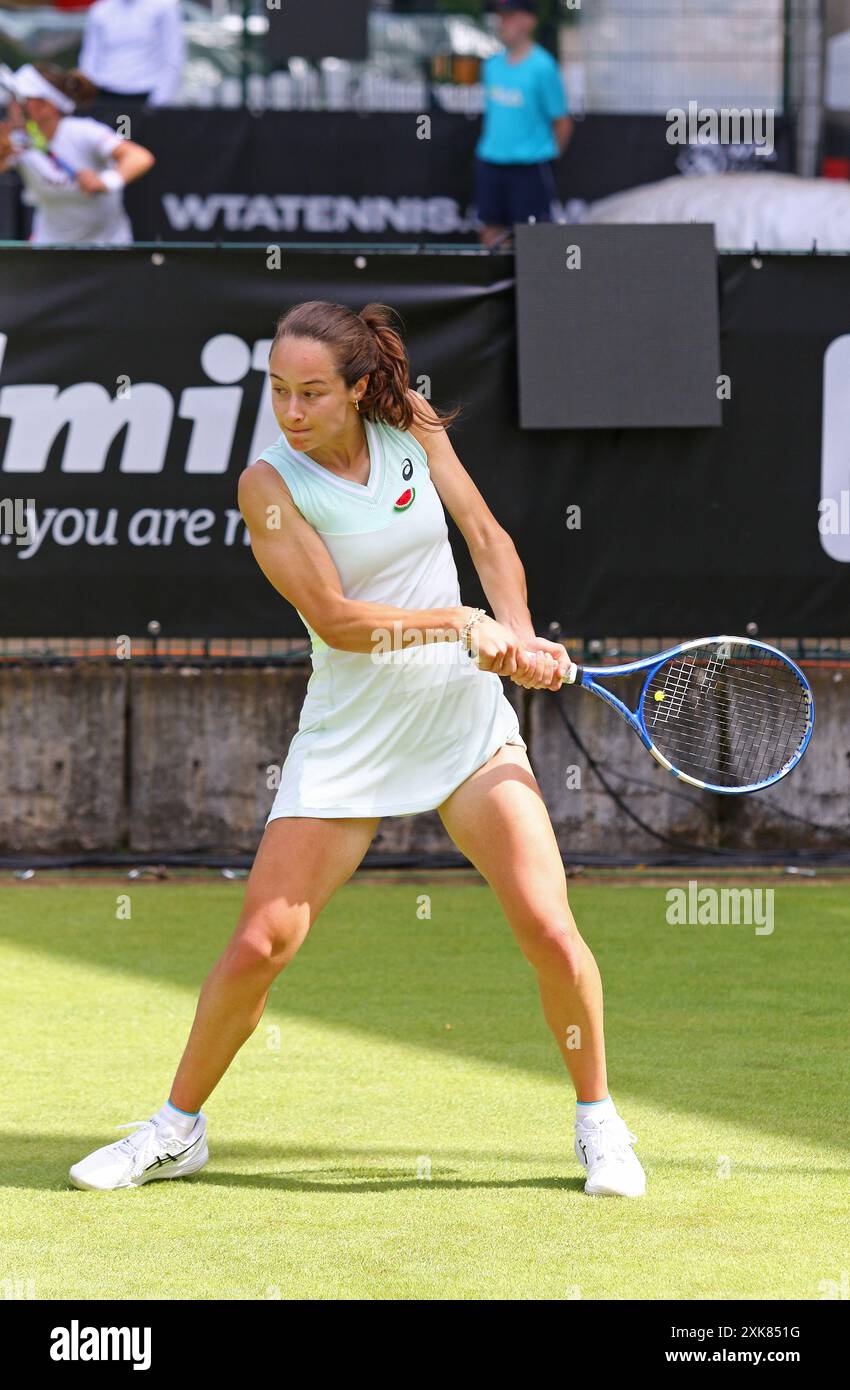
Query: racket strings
x=742, y=743
x=729, y=714
x=736, y=742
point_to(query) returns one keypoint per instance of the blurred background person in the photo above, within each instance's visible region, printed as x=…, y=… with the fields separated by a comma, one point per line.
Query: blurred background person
x=526, y=127
x=134, y=50
x=74, y=168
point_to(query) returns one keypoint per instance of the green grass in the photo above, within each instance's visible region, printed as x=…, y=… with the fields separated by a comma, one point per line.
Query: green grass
x=405, y=1042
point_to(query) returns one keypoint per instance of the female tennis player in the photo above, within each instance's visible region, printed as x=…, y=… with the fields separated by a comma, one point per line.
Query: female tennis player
x=404, y=712
x=74, y=168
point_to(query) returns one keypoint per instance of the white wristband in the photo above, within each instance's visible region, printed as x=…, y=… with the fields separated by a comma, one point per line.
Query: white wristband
x=112, y=179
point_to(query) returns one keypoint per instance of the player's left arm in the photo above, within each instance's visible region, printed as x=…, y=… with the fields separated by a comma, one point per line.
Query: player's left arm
x=491, y=548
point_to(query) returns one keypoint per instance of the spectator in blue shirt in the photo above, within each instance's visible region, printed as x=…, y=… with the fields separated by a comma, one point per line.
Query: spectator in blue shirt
x=526, y=127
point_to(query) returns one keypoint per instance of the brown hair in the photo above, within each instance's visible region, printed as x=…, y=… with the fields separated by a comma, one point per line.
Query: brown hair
x=361, y=344
x=71, y=84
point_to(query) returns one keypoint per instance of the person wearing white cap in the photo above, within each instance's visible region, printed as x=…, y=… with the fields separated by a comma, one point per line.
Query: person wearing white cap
x=74, y=167
x=134, y=50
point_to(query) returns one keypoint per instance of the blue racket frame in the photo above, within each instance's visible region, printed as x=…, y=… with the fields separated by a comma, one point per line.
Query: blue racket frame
x=584, y=676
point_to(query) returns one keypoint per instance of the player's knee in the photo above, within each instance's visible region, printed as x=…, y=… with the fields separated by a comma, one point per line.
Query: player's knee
x=266, y=941
x=554, y=947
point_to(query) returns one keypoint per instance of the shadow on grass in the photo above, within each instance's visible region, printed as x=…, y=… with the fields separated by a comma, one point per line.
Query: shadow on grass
x=388, y=1182
x=39, y=1162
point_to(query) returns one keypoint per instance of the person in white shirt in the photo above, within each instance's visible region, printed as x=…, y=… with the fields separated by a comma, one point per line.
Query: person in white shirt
x=74, y=168
x=134, y=50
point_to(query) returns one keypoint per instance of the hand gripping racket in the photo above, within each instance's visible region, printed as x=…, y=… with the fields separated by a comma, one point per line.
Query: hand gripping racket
x=723, y=713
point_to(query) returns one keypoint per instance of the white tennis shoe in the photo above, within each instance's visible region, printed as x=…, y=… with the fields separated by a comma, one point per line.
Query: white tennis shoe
x=604, y=1148
x=154, y=1151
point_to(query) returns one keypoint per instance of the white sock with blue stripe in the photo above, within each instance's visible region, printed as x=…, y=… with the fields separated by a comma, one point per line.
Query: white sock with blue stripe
x=595, y=1109
x=181, y=1121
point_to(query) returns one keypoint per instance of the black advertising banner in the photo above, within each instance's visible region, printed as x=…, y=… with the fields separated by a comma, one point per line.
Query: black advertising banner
x=230, y=175
x=133, y=392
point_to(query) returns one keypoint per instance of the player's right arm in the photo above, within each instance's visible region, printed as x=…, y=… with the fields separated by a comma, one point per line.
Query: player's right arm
x=298, y=564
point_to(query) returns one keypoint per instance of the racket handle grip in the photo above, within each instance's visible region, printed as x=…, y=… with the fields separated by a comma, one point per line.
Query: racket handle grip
x=570, y=673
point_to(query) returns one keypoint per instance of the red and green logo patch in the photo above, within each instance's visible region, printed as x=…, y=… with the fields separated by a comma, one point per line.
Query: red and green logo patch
x=402, y=503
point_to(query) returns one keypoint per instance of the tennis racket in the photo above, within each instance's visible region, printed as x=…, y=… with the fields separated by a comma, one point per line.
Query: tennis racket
x=723, y=713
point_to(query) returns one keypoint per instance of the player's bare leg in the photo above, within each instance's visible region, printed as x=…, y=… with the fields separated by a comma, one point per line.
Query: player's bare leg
x=499, y=820
x=300, y=864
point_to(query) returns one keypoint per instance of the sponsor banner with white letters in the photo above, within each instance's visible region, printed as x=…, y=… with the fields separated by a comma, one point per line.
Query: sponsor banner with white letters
x=133, y=390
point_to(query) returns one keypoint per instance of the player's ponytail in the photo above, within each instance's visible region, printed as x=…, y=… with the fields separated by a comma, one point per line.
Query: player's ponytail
x=364, y=344
x=386, y=398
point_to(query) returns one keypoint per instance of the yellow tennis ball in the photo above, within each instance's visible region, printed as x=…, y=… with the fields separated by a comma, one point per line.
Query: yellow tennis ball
x=659, y=694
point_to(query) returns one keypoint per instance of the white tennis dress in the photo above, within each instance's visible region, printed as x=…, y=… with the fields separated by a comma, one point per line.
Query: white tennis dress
x=386, y=733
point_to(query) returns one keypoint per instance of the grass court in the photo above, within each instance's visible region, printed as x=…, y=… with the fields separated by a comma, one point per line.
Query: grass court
x=400, y=1124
